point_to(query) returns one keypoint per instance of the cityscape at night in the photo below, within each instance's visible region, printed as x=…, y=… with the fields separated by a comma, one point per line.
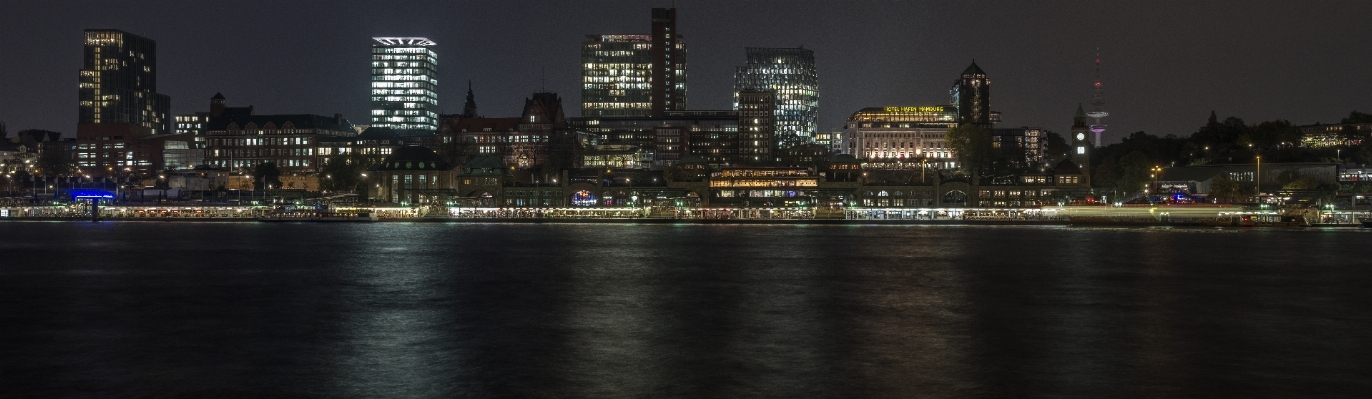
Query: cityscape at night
x=685, y=199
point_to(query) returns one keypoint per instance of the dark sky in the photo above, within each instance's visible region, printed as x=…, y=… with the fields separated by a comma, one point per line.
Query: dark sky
x=1166, y=64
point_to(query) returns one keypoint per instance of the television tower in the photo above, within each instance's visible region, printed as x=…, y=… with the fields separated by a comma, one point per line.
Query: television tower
x=1097, y=104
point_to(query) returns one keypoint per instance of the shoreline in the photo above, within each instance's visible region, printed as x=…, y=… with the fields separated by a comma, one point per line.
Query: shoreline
x=854, y=222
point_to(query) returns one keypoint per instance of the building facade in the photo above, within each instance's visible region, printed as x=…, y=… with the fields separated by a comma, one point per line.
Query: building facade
x=757, y=126
x=901, y=135
x=237, y=139
x=119, y=82
x=635, y=75
x=404, y=84
x=790, y=74
x=668, y=71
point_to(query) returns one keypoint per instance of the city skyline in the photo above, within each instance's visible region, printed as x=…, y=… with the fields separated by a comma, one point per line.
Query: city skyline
x=1255, y=74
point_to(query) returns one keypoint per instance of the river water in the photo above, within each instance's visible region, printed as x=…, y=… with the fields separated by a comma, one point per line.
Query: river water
x=134, y=309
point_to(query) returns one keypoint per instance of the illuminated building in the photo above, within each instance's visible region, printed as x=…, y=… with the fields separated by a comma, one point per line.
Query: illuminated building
x=521, y=142
x=901, y=135
x=757, y=138
x=763, y=186
x=635, y=75
x=1321, y=136
x=971, y=95
x=412, y=175
x=662, y=141
x=192, y=123
x=790, y=74
x=119, y=82
x=235, y=138
x=669, y=63
x=404, y=82
x=1025, y=142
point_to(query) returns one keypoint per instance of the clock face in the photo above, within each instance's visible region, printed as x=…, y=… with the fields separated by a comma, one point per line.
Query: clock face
x=1081, y=136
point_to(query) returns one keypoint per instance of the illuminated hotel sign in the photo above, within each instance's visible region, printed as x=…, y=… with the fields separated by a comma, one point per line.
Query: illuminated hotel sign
x=936, y=108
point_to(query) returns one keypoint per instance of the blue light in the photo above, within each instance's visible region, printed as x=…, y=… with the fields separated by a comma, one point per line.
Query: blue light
x=89, y=194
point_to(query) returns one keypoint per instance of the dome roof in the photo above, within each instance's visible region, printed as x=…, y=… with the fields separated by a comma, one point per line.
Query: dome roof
x=414, y=158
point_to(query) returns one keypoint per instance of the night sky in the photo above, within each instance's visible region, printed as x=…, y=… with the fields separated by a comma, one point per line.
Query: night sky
x=1166, y=64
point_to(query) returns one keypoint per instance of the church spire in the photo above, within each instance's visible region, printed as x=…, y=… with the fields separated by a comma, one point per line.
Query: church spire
x=469, y=109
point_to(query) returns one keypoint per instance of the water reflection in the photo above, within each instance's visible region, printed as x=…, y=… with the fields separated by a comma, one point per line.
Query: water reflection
x=430, y=310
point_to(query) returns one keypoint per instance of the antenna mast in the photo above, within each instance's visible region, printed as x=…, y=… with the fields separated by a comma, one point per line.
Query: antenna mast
x=1097, y=104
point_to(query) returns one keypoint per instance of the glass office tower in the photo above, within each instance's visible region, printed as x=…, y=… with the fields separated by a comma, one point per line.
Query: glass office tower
x=404, y=84
x=119, y=82
x=790, y=74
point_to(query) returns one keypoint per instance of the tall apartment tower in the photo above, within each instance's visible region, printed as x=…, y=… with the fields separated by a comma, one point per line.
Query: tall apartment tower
x=119, y=82
x=635, y=75
x=971, y=94
x=791, y=74
x=404, y=84
x=757, y=138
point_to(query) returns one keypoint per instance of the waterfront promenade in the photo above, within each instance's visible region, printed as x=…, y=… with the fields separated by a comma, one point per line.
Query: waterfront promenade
x=1059, y=215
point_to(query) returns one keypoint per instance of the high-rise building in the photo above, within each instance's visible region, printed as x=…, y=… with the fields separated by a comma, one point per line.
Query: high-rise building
x=757, y=114
x=119, y=82
x=971, y=94
x=791, y=74
x=404, y=84
x=669, y=63
x=635, y=75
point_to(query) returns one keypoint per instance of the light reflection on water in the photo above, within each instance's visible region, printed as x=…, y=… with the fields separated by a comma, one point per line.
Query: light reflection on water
x=430, y=310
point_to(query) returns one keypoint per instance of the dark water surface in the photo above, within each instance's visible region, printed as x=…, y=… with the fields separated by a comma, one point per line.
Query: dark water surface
x=631, y=311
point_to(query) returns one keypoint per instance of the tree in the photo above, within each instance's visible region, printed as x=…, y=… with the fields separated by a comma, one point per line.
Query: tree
x=344, y=172
x=267, y=173
x=1135, y=168
x=1107, y=173
x=1224, y=187
x=54, y=161
x=972, y=144
x=1357, y=117
x=1055, y=148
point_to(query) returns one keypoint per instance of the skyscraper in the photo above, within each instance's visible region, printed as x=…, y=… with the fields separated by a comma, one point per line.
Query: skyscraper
x=119, y=82
x=404, y=81
x=971, y=94
x=790, y=74
x=635, y=75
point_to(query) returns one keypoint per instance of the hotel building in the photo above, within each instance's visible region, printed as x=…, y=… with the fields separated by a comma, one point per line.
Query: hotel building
x=901, y=134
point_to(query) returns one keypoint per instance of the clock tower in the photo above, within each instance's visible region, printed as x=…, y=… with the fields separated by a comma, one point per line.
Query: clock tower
x=1081, y=145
